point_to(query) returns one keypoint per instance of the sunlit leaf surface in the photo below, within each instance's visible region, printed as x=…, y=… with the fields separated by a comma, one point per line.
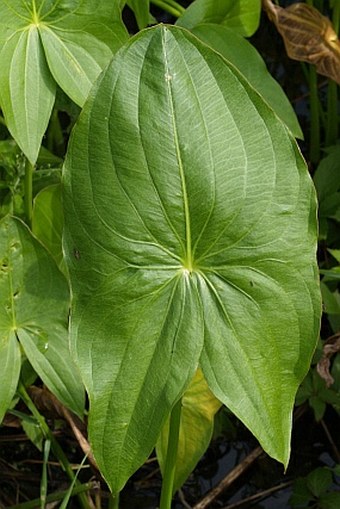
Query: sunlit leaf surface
x=190, y=235
x=44, y=42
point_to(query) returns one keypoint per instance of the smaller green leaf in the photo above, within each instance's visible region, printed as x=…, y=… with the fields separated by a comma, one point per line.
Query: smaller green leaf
x=49, y=359
x=10, y=361
x=331, y=300
x=242, y=16
x=199, y=407
x=301, y=495
x=319, y=480
x=34, y=304
x=141, y=10
x=335, y=253
x=327, y=183
x=75, y=60
x=248, y=61
x=34, y=433
x=318, y=406
x=331, y=274
x=27, y=90
x=47, y=221
x=330, y=500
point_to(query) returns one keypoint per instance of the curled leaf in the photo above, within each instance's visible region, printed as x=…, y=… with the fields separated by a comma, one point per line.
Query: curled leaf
x=331, y=347
x=308, y=36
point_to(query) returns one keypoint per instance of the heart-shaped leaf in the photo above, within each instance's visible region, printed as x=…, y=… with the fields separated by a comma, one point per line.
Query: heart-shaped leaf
x=43, y=42
x=34, y=298
x=190, y=238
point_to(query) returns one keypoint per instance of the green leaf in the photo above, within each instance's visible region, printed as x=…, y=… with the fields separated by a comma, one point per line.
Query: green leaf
x=27, y=89
x=47, y=221
x=242, y=16
x=301, y=495
x=335, y=253
x=327, y=183
x=331, y=300
x=199, y=407
x=10, y=358
x=330, y=500
x=141, y=9
x=319, y=480
x=248, y=61
x=34, y=309
x=186, y=207
x=75, y=60
x=44, y=42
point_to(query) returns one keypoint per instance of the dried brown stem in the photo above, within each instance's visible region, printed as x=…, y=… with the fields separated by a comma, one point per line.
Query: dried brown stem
x=229, y=478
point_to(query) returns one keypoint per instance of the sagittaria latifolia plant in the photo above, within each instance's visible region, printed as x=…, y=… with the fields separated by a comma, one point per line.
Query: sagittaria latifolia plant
x=190, y=229
x=190, y=236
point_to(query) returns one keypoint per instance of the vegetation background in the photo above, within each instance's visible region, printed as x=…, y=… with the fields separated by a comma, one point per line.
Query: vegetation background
x=42, y=444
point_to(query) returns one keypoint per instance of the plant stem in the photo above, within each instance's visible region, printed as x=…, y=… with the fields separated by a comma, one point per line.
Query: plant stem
x=57, y=450
x=332, y=93
x=171, y=457
x=53, y=497
x=314, y=116
x=114, y=501
x=28, y=198
x=170, y=6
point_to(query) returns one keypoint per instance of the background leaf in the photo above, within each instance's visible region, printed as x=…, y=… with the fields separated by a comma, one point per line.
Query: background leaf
x=199, y=407
x=183, y=227
x=27, y=90
x=34, y=307
x=48, y=220
x=141, y=9
x=47, y=42
x=242, y=16
x=10, y=361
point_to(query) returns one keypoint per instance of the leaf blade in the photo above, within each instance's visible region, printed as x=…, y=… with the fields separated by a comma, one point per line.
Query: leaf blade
x=27, y=90
x=182, y=188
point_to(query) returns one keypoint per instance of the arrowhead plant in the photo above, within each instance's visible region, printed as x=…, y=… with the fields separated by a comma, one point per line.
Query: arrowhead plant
x=190, y=237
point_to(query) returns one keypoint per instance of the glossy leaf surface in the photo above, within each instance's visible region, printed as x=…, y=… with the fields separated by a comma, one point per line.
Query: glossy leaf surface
x=199, y=407
x=186, y=206
x=44, y=42
x=248, y=61
x=34, y=309
x=242, y=16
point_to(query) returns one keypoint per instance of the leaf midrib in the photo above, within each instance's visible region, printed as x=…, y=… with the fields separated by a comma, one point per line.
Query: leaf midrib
x=188, y=262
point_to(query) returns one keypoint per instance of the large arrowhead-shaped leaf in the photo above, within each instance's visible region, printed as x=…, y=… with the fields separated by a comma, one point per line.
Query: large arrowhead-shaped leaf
x=44, y=42
x=190, y=238
x=34, y=301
